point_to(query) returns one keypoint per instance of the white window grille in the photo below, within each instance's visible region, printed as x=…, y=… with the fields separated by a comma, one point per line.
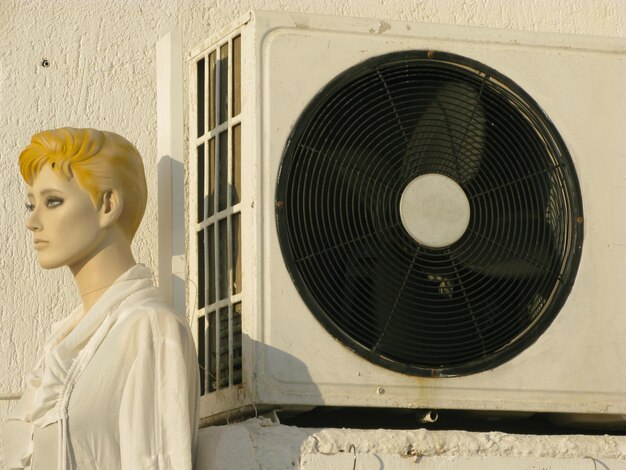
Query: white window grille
x=215, y=213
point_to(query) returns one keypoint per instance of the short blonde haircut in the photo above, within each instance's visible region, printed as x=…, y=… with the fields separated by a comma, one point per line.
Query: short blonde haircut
x=99, y=160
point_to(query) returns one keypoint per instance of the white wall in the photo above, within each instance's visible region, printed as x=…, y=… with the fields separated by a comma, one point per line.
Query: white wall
x=262, y=444
x=102, y=74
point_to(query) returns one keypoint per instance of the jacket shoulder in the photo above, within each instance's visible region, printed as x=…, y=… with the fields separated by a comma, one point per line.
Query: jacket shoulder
x=152, y=318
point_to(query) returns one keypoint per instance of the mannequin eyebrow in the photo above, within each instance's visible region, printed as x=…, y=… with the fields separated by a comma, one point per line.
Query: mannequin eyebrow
x=45, y=192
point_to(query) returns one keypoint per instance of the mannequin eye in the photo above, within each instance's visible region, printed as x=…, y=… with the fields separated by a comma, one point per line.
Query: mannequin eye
x=53, y=202
x=30, y=207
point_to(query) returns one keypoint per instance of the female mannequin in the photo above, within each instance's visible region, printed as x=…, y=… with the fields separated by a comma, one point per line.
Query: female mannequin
x=117, y=385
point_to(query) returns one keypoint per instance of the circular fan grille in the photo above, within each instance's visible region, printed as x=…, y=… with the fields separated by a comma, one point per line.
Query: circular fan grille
x=346, y=234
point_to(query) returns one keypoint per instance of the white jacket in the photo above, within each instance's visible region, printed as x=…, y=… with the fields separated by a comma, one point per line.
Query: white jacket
x=120, y=390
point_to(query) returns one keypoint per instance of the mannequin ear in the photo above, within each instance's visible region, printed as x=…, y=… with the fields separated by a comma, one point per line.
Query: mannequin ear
x=111, y=208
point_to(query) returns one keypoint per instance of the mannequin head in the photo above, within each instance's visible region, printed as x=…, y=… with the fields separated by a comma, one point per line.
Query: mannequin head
x=98, y=161
x=86, y=198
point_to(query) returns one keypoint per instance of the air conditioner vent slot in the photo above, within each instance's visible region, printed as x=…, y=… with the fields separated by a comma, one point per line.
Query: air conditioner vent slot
x=423, y=308
x=217, y=162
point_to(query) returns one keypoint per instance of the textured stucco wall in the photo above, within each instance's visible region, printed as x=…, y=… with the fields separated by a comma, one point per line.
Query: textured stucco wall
x=102, y=74
x=253, y=445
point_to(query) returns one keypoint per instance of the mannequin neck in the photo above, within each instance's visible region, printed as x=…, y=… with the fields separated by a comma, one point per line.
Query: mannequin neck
x=94, y=276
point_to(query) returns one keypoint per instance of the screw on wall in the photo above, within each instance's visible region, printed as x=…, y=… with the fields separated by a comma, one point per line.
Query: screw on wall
x=45, y=63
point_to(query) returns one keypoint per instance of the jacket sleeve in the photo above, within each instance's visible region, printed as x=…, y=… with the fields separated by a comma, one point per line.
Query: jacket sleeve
x=158, y=418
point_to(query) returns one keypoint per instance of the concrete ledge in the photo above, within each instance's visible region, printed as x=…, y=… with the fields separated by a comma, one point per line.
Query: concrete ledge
x=396, y=462
x=262, y=444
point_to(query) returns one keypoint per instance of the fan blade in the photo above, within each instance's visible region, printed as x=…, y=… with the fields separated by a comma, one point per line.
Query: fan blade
x=449, y=136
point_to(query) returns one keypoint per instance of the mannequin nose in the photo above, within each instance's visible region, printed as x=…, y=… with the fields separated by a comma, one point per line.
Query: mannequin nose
x=33, y=223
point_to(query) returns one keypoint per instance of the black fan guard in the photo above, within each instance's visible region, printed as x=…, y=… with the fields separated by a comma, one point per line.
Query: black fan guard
x=437, y=312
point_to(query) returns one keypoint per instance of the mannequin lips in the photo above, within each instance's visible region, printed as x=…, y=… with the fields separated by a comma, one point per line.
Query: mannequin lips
x=40, y=244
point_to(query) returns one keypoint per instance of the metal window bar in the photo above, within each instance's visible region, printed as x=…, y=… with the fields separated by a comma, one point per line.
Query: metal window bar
x=218, y=326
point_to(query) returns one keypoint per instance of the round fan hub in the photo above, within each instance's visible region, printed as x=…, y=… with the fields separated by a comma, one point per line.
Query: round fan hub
x=434, y=210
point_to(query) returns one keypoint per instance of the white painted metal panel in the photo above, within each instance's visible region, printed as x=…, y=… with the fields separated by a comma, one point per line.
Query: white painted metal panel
x=290, y=359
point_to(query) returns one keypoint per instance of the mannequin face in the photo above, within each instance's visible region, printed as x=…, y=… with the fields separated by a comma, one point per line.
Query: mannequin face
x=67, y=228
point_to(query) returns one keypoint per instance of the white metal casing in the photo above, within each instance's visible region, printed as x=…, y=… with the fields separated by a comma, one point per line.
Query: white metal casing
x=289, y=359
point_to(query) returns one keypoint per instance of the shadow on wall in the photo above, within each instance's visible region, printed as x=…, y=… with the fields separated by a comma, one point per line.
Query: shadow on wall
x=171, y=228
x=253, y=438
x=292, y=389
x=236, y=444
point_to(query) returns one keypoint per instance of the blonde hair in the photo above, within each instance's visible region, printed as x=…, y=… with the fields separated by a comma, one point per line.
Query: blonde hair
x=99, y=160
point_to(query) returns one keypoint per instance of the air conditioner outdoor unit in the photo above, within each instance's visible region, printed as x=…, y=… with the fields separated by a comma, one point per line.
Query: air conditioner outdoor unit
x=390, y=214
